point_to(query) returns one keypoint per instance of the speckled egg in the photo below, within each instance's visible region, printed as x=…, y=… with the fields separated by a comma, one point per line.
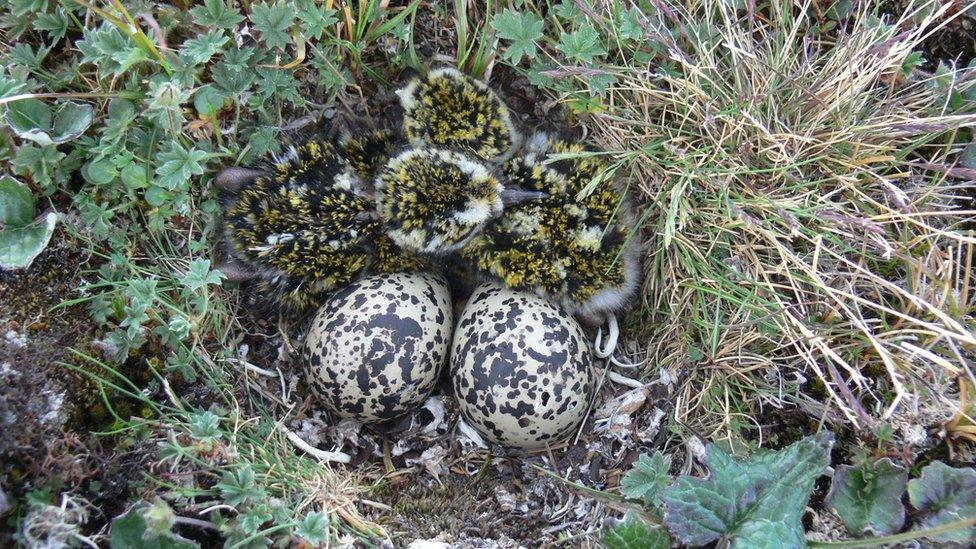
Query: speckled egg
x=375, y=348
x=521, y=368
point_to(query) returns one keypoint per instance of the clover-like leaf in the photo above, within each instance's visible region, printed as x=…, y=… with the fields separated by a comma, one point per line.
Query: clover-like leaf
x=868, y=497
x=32, y=119
x=647, y=477
x=755, y=502
x=16, y=203
x=945, y=494
x=634, y=533
x=20, y=245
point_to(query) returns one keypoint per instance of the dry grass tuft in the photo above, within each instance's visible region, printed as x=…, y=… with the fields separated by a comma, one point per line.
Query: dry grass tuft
x=804, y=233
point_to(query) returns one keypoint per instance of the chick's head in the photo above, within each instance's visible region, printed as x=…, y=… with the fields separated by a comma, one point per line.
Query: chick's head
x=450, y=110
x=571, y=245
x=432, y=201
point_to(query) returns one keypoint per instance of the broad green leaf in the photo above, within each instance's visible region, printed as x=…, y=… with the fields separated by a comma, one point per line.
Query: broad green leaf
x=16, y=203
x=20, y=245
x=945, y=494
x=130, y=531
x=71, y=120
x=30, y=119
x=583, y=45
x=273, y=22
x=100, y=172
x=202, y=48
x=214, y=13
x=43, y=164
x=134, y=176
x=199, y=275
x=314, y=528
x=315, y=19
x=208, y=99
x=647, y=477
x=968, y=156
x=177, y=165
x=54, y=24
x=868, y=497
x=239, y=487
x=157, y=196
x=739, y=500
x=522, y=29
x=634, y=533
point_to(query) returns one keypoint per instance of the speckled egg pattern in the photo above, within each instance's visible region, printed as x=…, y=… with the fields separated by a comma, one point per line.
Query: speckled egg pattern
x=375, y=349
x=520, y=367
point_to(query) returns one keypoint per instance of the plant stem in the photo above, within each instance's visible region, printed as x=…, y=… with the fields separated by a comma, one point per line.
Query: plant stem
x=897, y=538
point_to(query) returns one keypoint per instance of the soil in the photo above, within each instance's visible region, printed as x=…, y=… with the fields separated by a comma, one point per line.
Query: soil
x=48, y=408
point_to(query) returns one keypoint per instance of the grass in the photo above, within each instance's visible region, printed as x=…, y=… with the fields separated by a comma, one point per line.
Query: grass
x=796, y=173
x=799, y=209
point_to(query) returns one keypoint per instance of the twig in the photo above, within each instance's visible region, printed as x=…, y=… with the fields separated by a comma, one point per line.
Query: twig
x=322, y=455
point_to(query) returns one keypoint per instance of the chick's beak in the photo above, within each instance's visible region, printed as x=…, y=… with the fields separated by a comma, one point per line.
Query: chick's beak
x=510, y=197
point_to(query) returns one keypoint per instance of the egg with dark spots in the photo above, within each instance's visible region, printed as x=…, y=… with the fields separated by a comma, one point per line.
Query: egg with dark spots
x=375, y=348
x=521, y=368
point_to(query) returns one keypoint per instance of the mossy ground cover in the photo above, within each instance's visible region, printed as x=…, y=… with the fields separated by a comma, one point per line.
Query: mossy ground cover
x=803, y=174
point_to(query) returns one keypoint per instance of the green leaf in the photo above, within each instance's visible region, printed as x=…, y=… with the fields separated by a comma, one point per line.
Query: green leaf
x=201, y=49
x=43, y=164
x=16, y=203
x=177, y=165
x=522, y=30
x=130, y=531
x=54, y=24
x=634, y=533
x=647, y=477
x=315, y=19
x=583, y=45
x=237, y=488
x=20, y=245
x=757, y=502
x=273, y=23
x=134, y=176
x=840, y=10
x=945, y=494
x=868, y=497
x=71, y=120
x=199, y=275
x=100, y=172
x=968, y=156
x=205, y=426
x=110, y=50
x=157, y=196
x=314, y=528
x=30, y=119
x=159, y=518
x=911, y=61
x=213, y=13
x=208, y=99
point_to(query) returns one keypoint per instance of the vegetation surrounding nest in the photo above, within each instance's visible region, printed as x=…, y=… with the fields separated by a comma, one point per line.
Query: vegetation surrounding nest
x=800, y=174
